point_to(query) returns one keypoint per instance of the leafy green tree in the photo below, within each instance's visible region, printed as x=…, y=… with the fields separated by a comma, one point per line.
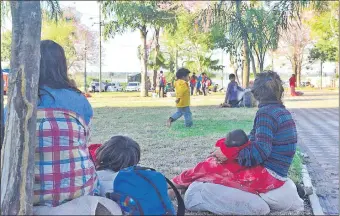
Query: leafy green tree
x=263, y=32
x=134, y=15
x=6, y=38
x=325, y=30
x=193, y=45
x=232, y=13
x=63, y=33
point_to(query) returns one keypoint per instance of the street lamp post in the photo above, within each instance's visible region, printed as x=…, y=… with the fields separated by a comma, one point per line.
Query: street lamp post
x=100, y=46
x=100, y=49
x=85, y=56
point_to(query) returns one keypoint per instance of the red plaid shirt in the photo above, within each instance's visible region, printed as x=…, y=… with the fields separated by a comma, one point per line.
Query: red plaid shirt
x=63, y=169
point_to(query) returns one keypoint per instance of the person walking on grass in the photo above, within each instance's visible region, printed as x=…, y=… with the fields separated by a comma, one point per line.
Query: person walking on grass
x=193, y=81
x=182, y=98
x=162, y=83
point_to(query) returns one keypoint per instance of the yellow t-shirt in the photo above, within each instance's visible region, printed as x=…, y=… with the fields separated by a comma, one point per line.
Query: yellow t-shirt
x=183, y=93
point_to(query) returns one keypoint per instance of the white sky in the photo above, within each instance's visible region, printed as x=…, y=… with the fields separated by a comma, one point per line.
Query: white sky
x=120, y=52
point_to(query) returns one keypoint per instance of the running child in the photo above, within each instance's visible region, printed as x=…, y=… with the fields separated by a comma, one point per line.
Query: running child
x=182, y=98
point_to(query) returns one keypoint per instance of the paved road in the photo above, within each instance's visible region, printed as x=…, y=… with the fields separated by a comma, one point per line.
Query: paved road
x=318, y=131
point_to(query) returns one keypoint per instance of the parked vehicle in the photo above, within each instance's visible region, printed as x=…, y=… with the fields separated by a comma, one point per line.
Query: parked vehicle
x=95, y=85
x=114, y=87
x=133, y=86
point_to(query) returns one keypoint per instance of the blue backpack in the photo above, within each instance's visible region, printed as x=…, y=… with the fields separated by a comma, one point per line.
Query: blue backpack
x=144, y=191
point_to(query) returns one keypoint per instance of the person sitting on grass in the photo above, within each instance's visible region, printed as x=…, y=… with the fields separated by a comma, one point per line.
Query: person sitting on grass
x=231, y=93
x=63, y=171
x=292, y=84
x=227, y=171
x=182, y=98
x=271, y=149
x=114, y=155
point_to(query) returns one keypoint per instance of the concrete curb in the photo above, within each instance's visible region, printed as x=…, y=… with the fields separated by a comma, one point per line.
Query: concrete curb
x=313, y=198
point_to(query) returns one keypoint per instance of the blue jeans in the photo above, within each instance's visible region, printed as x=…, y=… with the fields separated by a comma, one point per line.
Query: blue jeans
x=187, y=115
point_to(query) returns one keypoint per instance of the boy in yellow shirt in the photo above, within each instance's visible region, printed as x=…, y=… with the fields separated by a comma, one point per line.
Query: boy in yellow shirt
x=182, y=98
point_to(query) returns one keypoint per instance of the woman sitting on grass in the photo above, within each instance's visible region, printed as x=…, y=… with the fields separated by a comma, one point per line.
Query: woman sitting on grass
x=272, y=145
x=63, y=170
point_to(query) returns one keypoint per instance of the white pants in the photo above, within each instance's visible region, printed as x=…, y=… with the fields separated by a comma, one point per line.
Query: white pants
x=84, y=205
x=223, y=200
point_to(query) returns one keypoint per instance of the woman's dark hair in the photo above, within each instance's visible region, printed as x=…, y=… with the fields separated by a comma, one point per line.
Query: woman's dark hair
x=117, y=153
x=268, y=87
x=182, y=72
x=53, y=67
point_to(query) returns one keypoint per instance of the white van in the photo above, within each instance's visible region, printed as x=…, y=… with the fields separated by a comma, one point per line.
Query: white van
x=133, y=86
x=114, y=87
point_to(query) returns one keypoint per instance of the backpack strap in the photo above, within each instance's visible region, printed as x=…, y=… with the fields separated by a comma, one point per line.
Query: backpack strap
x=180, y=202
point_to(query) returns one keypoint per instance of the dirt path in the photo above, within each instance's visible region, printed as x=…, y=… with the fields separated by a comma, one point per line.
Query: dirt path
x=317, y=119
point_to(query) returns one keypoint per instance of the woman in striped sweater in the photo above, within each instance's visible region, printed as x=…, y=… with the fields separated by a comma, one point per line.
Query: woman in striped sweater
x=272, y=144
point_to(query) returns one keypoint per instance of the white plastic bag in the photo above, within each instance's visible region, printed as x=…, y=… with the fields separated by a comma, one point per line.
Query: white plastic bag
x=84, y=205
x=223, y=200
x=285, y=198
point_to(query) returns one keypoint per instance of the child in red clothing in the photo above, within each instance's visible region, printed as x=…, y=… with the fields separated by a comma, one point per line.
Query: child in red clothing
x=228, y=172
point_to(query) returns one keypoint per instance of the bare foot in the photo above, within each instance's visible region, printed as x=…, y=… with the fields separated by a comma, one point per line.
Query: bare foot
x=168, y=123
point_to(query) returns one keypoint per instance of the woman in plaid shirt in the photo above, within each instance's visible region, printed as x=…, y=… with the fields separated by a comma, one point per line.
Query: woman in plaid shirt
x=63, y=170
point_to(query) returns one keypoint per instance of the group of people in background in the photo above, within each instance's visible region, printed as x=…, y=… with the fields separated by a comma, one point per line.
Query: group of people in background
x=243, y=175
x=200, y=84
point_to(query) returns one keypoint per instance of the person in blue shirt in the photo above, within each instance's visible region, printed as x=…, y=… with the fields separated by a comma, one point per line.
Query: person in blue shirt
x=56, y=90
x=199, y=84
x=231, y=99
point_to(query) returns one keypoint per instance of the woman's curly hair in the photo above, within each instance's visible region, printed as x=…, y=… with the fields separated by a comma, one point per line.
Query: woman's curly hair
x=268, y=87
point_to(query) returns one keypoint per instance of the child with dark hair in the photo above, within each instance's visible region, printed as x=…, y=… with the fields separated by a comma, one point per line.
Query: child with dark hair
x=231, y=94
x=226, y=170
x=114, y=155
x=182, y=98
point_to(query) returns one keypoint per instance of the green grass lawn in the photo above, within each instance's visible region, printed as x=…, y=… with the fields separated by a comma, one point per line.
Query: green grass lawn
x=174, y=149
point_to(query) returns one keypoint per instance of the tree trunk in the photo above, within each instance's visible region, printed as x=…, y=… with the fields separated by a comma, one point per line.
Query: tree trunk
x=298, y=76
x=253, y=63
x=156, y=57
x=17, y=155
x=246, y=66
x=321, y=74
x=261, y=66
x=144, y=58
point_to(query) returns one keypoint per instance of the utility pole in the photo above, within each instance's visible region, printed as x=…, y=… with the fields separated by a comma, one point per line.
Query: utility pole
x=222, y=69
x=321, y=74
x=85, y=89
x=100, y=48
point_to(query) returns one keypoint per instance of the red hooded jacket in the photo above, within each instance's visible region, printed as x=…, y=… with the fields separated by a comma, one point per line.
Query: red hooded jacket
x=251, y=179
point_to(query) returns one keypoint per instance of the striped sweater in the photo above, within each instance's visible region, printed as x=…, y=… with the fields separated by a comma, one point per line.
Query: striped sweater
x=273, y=140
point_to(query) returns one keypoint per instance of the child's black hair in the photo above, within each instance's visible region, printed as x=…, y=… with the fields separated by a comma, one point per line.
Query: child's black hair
x=232, y=76
x=236, y=138
x=117, y=153
x=161, y=72
x=268, y=87
x=182, y=72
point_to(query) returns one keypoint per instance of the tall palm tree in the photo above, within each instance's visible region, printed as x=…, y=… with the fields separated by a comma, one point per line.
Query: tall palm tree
x=231, y=13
